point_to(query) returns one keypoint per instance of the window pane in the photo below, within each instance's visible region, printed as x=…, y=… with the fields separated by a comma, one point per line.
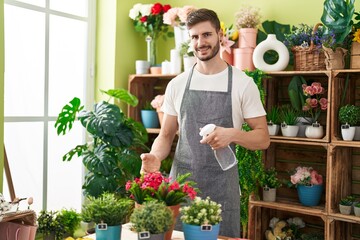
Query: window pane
x=78, y=7
x=24, y=57
x=67, y=62
x=24, y=148
x=40, y=3
x=64, y=178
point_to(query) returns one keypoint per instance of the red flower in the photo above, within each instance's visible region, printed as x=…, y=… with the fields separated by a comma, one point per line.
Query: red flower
x=156, y=9
x=143, y=19
x=174, y=186
x=166, y=7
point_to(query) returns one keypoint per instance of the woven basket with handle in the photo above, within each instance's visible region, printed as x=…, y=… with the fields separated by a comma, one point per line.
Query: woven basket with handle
x=309, y=58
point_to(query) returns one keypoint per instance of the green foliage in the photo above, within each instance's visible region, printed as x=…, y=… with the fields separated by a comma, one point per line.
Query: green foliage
x=184, y=49
x=113, y=157
x=288, y=115
x=337, y=17
x=346, y=202
x=70, y=219
x=270, y=179
x=152, y=216
x=274, y=115
x=349, y=114
x=107, y=208
x=147, y=106
x=296, y=93
x=258, y=76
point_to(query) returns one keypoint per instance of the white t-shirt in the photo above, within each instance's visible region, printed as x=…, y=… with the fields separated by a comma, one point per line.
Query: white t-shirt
x=245, y=95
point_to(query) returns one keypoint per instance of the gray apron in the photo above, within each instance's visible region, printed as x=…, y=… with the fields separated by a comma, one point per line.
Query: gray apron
x=199, y=108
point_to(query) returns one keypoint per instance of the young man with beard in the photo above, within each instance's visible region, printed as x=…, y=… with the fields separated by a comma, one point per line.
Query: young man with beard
x=211, y=92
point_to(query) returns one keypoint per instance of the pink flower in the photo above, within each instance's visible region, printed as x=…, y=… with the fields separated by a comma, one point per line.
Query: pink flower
x=323, y=103
x=314, y=104
x=157, y=101
x=316, y=178
x=226, y=44
x=171, y=17
x=184, y=12
x=306, y=176
x=174, y=186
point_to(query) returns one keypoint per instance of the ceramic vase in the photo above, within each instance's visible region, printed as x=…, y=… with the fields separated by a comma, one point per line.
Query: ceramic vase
x=192, y=232
x=303, y=122
x=289, y=130
x=357, y=211
x=269, y=194
x=314, y=131
x=273, y=129
x=271, y=43
x=181, y=35
x=243, y=58
x=150, y=119
x=347, y=132
x=310, y=195
x=247, y=37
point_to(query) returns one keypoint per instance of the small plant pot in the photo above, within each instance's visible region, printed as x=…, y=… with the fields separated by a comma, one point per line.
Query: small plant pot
x=289, y=130
x=314, y=131
x=357, y=133
x=149, y=236
x=347, y=132
x=273, y=129
x=269, y=194
x=357, y=211
x=345, y=209
x=192, y=232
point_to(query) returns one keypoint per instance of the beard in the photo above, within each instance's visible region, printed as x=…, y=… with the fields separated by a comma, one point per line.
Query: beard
x=212, y=54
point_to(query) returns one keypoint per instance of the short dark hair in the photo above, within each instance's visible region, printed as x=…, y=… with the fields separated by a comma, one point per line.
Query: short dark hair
x=203, y=15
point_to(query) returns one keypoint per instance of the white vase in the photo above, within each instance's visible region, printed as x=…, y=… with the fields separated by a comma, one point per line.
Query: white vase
x=273, y=129
x=357, y=133
x=271, y=43
x=357, y=211
x=314, y=131
x=189, y=62
x=289, y=130
x=181, y=35
x=347, y=132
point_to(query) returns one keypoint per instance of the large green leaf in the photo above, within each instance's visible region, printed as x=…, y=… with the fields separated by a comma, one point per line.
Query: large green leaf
x=104, y=120
x=67, y=116
x=94, y=184
x=122, y=95
x=101, y=161
x=337, y=16
x=78, y=150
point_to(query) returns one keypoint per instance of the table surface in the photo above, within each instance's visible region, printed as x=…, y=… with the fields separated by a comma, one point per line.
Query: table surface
x=127, y=234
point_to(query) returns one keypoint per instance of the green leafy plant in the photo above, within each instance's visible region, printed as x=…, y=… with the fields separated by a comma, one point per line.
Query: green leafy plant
x=289, y=115
x=113, y=156
x=70, y=219
x=186, y=50
x=108, y=208
x=349, y=114
x=357, y=205
x=153, y=216
x=273, y=116
x=296, y=93
x=347, y=201
x=270, y=179
x=148, y=106
x=201, y=211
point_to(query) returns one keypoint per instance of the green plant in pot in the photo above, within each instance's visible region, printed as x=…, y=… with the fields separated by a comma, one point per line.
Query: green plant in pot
x=113, y=155
x=270, y=183
x=357, y=209
x=289, y=119
x=149, y=116
x=345, y=204
x=349, y=116
x=70, y=219
x=108, y=212
x=273, y=120
x=151, y=219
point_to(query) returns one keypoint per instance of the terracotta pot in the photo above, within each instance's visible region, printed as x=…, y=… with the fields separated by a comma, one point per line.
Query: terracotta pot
x=243, y=58
x=227, y=57
x=247, y=37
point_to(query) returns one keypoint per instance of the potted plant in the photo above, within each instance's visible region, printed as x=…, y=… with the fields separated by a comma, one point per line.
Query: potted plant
x=113, y=155
x=247, y=20
x=201, y=219
x=161, y=189
x=48, y=225
x=108, y=212
x=270, y=183
x=149, y=116
x=86, y=221
x=345, y=205
x=70, y=219
x=151, y=220
x=187, y=54
x=273, y=120
x=309, y=184
x=289, y=119
x=357, y=209
x=349, y=116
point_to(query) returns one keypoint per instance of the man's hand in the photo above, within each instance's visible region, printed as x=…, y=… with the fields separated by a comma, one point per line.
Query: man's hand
x=150, y=163
x=219, y=138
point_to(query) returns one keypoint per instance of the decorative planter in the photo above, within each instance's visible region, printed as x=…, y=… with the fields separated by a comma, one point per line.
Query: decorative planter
x=192, y=232
x=149, y=236
x=150, y=119
x=243, y=58
x=347, y=132
x=247, y=37
x=273, y=129
x=289, y=130
x=357, y=211
x=85, y=226
x=345, y=209
x=269, y=194
x=111, y=233
x=335, y=59
x=314, y=131
x=310, y=195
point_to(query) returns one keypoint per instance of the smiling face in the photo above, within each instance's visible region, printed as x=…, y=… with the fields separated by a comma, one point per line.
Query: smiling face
x=205, y=40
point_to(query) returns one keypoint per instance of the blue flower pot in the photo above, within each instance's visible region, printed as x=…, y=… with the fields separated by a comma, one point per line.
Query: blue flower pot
x=111, y=233
x=192, y=232
x=310, y=195
x=150, y=119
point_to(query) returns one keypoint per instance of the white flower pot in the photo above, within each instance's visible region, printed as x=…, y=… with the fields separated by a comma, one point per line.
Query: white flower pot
x=345, y=209
x=347, y=132
x=357, y=211
x=273, y=129
x=289, y=130
x=314, y=131
x=269, y=194
x=357, y=133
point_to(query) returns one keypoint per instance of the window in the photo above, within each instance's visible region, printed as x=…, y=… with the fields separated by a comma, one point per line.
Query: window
x=49, y=49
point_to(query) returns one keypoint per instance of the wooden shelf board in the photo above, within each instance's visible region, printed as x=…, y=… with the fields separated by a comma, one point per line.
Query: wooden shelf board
x=153, y=130
x=286, y=205
x=291, y=73
x=298, y=140
x=342, y=143
x=345, y=218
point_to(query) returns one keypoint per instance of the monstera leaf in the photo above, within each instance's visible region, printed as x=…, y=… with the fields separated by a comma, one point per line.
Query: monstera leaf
x=337, y=17
x=67, y=116
x=122, y=95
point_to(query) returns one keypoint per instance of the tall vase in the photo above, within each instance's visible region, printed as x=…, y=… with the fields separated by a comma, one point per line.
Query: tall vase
x=181, y=35
x=151, y=50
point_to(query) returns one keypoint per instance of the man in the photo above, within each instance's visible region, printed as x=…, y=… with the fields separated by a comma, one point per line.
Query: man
x=211, y=92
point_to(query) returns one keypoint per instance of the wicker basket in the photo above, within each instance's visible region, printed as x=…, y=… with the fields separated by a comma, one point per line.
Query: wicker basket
x=309, y=58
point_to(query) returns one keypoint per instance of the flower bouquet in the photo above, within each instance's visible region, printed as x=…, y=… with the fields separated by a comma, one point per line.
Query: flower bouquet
x=154, y=186
x=309, y=184
x=281, y=229
x=201, y=219
x=314, y=103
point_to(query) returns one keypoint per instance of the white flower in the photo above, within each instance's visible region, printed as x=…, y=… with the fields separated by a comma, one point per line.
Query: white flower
x=146, y=9
x=296, y=221
x=134, y=12
x=273, y=222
